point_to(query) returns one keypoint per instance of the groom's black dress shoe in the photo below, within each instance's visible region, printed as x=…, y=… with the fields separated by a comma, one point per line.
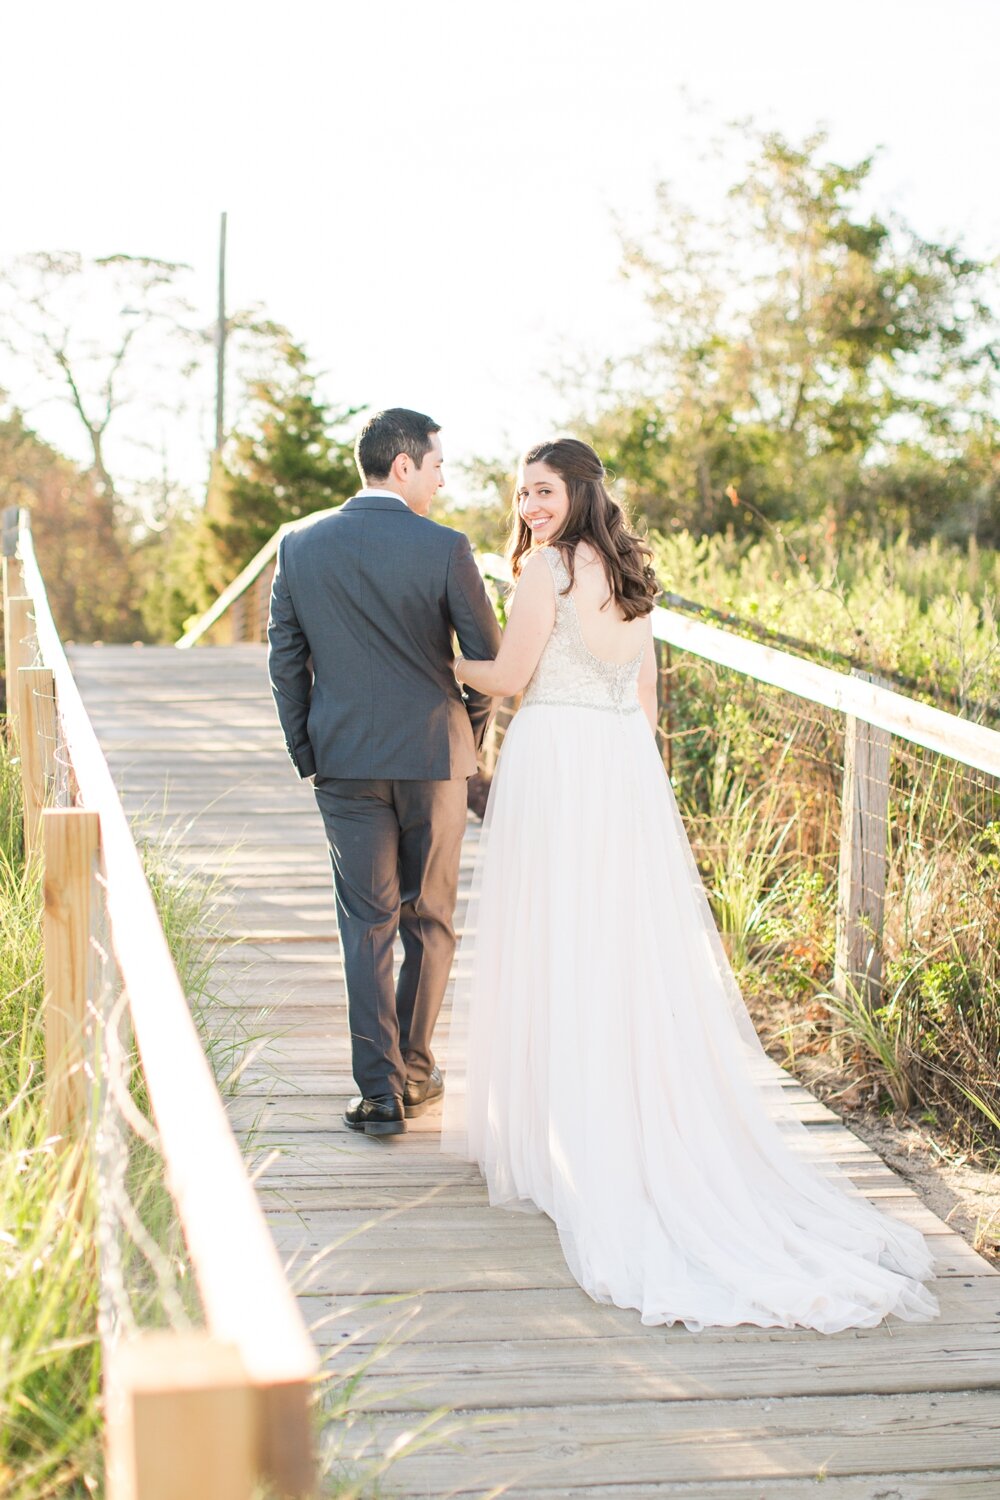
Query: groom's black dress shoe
x=418, y=1097
x=380, y=1116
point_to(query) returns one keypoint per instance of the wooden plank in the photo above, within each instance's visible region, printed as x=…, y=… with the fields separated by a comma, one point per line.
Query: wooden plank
x=969, y=1484
x=331, y=1267
x=333, y=1154
x=71, y=845
x=532, y=1315
x=19, y=651
x=864, y=848
x=181, y=1420
x=13, y=588
x=279, y=1190
x=648, y=1442
x=743, y=1429
x=36, y=712
x=13, y=579
x=444, y=1221
x=326, y=1112
x=405, y=1374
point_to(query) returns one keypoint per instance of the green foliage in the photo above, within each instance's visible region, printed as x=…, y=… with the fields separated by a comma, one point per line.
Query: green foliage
x=291, y=460
x=758, y=774
x=11, y=821
x=928, y=612
x=49, y=1353
x=484, y=524
x=289, y=464
x=51, y=1419
x=743, y=847
x=20, y=965
x=172, y=564
x=485, y=519
x=50, y=1368
x=810, y=360
x=20, y=937
x=82, y=545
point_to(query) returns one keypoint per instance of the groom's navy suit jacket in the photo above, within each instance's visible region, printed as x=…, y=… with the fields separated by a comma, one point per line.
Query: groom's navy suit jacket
x=363, y=606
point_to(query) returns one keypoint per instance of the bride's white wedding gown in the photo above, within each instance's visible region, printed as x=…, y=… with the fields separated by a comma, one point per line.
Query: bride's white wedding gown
x=601, y=1065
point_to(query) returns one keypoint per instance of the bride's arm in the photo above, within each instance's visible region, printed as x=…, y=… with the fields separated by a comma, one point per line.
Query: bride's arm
x=647, y=682
x=532, y=616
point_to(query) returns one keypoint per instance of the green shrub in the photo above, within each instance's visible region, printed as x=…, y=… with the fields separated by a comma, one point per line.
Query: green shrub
x=758, y=773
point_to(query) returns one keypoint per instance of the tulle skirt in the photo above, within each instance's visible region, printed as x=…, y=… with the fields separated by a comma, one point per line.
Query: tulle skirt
x=601, y=1065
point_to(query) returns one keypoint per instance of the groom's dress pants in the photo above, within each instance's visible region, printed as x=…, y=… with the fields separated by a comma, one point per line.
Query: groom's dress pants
x=395, y=848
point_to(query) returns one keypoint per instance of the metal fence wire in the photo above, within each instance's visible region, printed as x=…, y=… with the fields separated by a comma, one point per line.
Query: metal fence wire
x=759, y=774
x=145, y=1274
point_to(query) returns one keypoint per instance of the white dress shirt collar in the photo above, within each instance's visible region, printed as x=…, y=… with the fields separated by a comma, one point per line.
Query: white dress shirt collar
x=384, y=494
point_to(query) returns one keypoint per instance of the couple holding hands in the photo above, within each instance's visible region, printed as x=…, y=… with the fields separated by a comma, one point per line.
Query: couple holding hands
x=601, y=1065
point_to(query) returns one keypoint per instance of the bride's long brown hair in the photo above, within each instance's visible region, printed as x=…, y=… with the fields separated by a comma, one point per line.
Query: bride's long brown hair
x=594, y=517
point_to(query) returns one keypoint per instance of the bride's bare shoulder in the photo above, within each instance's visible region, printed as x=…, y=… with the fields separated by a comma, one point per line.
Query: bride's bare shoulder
x=538, y=563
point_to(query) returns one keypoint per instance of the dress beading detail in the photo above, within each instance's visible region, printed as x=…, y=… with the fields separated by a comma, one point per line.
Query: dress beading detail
x=568, y=674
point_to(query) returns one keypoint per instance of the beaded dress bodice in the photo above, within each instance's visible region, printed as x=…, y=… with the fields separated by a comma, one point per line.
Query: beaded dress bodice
x=568, y=673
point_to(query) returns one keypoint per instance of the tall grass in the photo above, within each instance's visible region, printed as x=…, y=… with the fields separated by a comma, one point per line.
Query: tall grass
x=759, y=778
x=928, y=612
x=51, y=1223
x=50, y=1364
x=49, y=1352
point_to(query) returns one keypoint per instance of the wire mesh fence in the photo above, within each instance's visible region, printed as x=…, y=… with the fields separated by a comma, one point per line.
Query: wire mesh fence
x=144, y=1270
x=92, y=1095
x=760, y=775
x=245, y=621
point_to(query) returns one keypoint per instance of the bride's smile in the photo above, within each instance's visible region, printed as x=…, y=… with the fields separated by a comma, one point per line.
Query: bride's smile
x=543, y=501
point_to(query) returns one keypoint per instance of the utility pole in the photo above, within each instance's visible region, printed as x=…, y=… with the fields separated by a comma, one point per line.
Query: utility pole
x=220, y=342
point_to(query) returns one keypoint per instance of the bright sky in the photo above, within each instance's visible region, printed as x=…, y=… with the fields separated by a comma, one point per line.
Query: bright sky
x=424, y=191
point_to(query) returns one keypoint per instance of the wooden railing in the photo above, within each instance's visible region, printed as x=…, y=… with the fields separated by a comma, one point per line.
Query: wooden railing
x=872, y=712
x=240, y=612
x=221, y=1410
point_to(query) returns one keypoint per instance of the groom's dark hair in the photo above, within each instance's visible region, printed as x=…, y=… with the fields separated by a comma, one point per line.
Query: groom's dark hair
x=389, y=433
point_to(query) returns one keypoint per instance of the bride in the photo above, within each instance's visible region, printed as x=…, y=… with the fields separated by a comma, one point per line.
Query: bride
x=602, y=1066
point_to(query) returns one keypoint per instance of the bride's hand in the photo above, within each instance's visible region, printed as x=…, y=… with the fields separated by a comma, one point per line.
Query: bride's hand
x=457, y=666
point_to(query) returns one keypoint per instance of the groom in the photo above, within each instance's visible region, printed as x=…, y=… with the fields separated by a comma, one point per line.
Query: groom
x=363, y=606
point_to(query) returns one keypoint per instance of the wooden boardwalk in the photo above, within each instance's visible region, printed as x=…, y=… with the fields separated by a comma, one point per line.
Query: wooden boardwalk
x=449, y=1305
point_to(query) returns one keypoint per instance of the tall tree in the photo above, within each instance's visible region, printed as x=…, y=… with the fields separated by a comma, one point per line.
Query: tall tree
x=118, y=341
x=84, y=557
x=292, y=459
x=87, y=331
x=805, y=351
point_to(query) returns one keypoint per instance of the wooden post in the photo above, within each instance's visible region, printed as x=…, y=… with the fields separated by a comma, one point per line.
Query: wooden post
x=13, y=587
x=236, y=619
x=36, y=712
x=71, y=841
x=285, y=1454
x=13, y=579
x=10, y=530
x=19, y=651
x=261, y=605
x=863, y=857
x=180, y=1420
